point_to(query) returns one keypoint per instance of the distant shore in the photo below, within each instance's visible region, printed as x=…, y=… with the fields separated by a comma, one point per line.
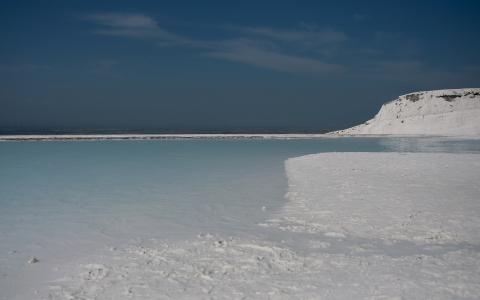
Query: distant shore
x=54, y=137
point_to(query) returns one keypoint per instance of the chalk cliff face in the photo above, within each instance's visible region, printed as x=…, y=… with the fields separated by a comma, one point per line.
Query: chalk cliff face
x=441, y=112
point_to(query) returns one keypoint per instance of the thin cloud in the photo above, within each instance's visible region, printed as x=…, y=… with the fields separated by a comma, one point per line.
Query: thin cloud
x=309, y=35
x=130, y=25
x=276, y=61
x=123, y=20
x=259, y=46
x=244, y=51
x=104, y=66
x=359, y=17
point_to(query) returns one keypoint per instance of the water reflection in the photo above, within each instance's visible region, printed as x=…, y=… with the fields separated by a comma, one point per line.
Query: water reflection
x=430, y=144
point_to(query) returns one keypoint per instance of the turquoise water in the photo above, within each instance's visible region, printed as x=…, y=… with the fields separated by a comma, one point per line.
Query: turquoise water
x=73, y=197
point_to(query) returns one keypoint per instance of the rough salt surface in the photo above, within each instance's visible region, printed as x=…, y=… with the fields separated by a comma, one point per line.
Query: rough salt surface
x=240, y=269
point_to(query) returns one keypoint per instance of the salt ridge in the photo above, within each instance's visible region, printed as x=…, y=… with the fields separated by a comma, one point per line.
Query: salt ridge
x=454, y=112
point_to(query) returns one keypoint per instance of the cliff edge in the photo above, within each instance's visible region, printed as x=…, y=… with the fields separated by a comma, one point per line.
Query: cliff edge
x=441, y=112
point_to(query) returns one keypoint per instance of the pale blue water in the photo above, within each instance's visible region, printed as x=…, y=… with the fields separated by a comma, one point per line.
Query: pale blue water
x=64, y=199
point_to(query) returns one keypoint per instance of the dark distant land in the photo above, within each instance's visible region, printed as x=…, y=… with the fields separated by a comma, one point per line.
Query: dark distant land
x=184, y=130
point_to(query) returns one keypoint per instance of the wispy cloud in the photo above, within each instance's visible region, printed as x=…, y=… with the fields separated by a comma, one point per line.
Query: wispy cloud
x=359, y=17
x=264, y=47
x=103, y=66
x=244, y=51
x=307, y=35
x=123, y=20
x=130, y=25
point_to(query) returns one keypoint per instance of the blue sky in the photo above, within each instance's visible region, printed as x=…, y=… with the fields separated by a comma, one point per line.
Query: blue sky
x=218, y=65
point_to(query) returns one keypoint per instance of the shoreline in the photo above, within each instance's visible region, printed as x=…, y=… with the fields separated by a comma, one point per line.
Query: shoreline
x=83, y=137
x=215, y=136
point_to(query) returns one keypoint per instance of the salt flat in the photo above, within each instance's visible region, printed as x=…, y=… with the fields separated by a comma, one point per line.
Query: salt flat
x=421, y=197
x=355, y=226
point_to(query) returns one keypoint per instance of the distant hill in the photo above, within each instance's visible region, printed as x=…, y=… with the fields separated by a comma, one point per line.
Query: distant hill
x=441, y=112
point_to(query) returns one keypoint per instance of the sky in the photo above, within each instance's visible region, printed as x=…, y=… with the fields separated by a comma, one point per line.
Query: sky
x=225, y=66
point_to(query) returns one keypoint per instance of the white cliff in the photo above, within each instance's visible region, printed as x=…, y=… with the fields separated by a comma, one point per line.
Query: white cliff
x=441, y=112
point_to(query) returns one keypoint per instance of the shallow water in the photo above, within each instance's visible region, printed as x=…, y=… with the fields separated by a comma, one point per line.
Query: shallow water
x=62, y=200
x=126, y=189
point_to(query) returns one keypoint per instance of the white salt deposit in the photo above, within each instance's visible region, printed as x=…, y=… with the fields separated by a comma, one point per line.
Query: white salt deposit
x=356, y=226
x=442, y=112
x=251, y=269
x=421, y=197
